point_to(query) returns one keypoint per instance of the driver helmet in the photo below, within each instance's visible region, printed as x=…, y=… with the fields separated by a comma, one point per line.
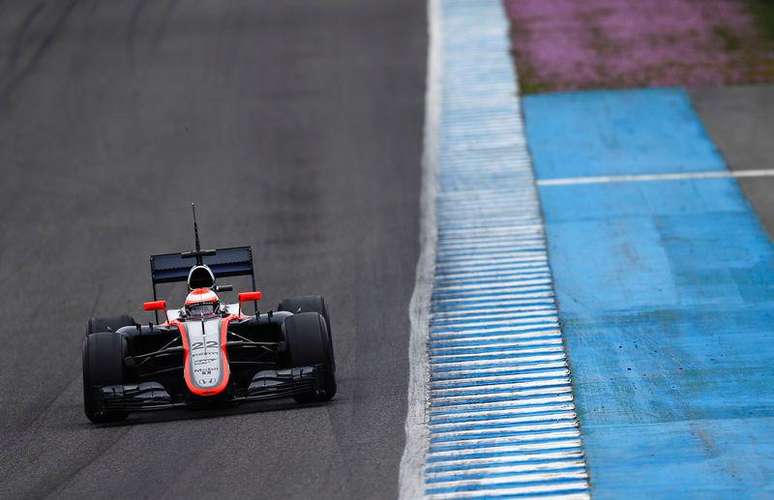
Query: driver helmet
x=201, y=302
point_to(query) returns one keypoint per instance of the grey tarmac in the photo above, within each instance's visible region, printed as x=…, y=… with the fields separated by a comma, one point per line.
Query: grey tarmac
x=296, y=126
x=740, y=121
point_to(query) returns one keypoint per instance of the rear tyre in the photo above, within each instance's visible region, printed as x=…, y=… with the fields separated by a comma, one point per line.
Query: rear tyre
x=308, y=344
x=103, y=365
x=310, y=303
x=109, y=324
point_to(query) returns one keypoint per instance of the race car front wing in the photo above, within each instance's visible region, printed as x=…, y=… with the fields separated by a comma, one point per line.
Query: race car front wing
x=265, y=385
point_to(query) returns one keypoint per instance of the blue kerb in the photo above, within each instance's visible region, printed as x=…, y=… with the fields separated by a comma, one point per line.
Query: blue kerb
x=502, y=419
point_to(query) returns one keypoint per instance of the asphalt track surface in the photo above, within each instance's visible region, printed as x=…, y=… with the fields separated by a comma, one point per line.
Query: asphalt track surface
x=739, y=120
x=297, y=127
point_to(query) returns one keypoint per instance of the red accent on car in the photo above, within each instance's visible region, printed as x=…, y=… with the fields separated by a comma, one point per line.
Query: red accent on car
x=250, y=296
x=225, y=376
x=155, y=305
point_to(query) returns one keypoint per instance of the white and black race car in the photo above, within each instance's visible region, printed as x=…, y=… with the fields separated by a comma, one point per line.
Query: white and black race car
x=207, y=353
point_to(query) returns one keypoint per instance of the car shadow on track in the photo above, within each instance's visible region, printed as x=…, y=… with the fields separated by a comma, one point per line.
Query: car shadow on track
x=163, y=416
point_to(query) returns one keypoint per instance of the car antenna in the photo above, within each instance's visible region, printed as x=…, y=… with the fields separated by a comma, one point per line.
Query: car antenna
x=198, y=253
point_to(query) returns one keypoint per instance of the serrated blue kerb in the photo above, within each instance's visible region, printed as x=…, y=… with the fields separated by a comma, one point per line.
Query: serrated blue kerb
x=502, y=418
x=666, y=293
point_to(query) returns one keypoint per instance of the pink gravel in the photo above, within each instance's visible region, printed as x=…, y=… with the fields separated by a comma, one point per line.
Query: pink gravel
x=574, y=44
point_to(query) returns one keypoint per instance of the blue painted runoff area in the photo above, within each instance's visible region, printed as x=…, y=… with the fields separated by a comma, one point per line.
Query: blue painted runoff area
x=611, y=133
x=666, y=298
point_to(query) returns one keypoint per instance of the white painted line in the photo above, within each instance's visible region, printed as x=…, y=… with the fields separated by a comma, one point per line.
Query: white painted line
x=563, y=444
x=494, y=222
x=445, y=280
x=520, y=284
x=480, y=244
x=518, y=478
x=482, y=381
x=411, y=474
x=492, y=290
x=472, y=332
x=492, y=229
x=502, y=469
x=490, y=299
x=487, y=285
x=521, y=491
x=498, y=345
x=452, y=426
x=489, y=269
x=494, y=432
x=681, y=176
x=532, y=311
x=495, y=239
x=491, y=250
x=527, y=256
x=510, y=318
x=485, y=390
x=504, y=414
x=511, y=395
x=518, y=368
x=446, y=357
x=507, y=230
x=479, y=194
x=533, y=405
x=505, y=458
x=510, y=356
x=533, y=270
x=466, y=342
x=474, y=445
x=456, y=211
x=515, y=363
x=497, y=312
x=461, y=323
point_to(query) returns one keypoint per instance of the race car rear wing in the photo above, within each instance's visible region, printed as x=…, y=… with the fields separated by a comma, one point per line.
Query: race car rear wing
x=224, y=262
x=173, y=267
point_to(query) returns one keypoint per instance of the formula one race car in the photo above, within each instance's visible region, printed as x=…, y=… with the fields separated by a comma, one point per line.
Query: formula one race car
x=207, y=353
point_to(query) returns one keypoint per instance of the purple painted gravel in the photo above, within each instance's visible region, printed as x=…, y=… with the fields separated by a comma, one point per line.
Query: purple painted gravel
x=571, y=44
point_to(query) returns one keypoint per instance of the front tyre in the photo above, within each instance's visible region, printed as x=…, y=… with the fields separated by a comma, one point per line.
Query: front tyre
x=103, y=365
x=308, y=344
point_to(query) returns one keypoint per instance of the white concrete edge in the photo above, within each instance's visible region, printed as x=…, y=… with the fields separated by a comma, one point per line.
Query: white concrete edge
x=411, y=478
x=608, y=179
